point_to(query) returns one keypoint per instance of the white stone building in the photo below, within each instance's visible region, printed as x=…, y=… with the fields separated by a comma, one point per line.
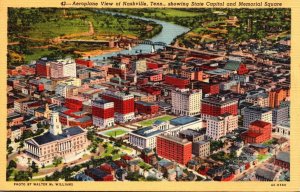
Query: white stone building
x=63, y=68
x=186, y=102
x=66, y=143
x=254, y=113
x=145, y=137
x=283, y=129
x=218, y=127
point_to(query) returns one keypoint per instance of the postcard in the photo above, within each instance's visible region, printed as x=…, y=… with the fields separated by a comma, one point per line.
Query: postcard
x=128, y=95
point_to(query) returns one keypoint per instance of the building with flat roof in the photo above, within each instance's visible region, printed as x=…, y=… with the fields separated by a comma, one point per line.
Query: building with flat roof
x=216, y=106
x=192, y=135
x=281, y=113
x=123, y=104
x=145, y=137
x=63, y=68
x=177, y=81
x=218, y=127
x=103, y=113
x=186, y=102
x=276, y=96
x=254, y=113
x=201, y=148
x=183, y=123
x=283, y=129
x=282, y=159
x=258, y=132
x=258, y=99
x=174, y=148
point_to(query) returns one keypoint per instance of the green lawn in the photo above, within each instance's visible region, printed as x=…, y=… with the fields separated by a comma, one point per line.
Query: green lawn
x=262, y=157
x=151, y=121
x=108, y=150
x=126, y=148
x=144, y=165
x=115, y=133
x=37, y=53
x=199, y=30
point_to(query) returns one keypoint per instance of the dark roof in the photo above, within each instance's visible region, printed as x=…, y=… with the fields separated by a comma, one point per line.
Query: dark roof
x=147, y=131
x=232, y=65
x=191, y=132
x=283, y=156
x=96, y=173
x=83, y=177
x=267, y=174
x=16, y=127
x=48, y=137
x=13, y=116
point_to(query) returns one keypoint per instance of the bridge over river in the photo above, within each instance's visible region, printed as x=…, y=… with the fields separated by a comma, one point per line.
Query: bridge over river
x=114, y=43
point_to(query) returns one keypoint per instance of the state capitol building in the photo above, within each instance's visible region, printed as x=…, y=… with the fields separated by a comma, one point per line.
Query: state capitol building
x=57, y=142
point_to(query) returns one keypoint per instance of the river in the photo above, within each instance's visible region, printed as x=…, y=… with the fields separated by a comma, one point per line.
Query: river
x=169, y=32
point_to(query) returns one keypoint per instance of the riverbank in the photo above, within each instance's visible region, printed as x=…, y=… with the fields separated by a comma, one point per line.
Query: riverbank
x=98, y=52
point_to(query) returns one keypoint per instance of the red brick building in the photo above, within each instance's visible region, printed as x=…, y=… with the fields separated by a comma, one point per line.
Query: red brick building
x=116, y=71
x=123, y=104
x=174, y=148
x=151, y=90
x=177, y=81
x=43, y=68
x=282, y=159
x=74, y=104
x=217, y=106
x=146, y=107
x=258, y=132
x=21, y=70
x=87, y=63
x=210, y=88
x=242, y=69
x=103, y=113
x=151, y=65
x=193, y=74
x=142, y=81
x=99, y=175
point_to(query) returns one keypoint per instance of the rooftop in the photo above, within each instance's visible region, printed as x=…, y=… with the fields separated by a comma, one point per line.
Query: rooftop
x=283, y=156
x=191, y=132
x=260, y=123
x=175, y=139
x=259, y=109
x=265, y=173
x=183, y=120
x=218, y=72
x=48, y=137
x=147, y=132
x=219, y=100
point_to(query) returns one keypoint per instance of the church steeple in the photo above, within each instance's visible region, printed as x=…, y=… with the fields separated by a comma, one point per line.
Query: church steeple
x=55, y=125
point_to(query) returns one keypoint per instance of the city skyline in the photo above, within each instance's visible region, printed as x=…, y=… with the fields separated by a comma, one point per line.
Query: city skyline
x=109, y=96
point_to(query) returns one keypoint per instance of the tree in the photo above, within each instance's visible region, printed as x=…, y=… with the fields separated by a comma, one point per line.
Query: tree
x=8, y=142
x=57, y=161
x=22, y=176
x=34, y=167
x=105, y=145
x=10, y=150
x=39, y=125
x=21, y=144
x=27, y=134
x=91, y=135
x=12, y=164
